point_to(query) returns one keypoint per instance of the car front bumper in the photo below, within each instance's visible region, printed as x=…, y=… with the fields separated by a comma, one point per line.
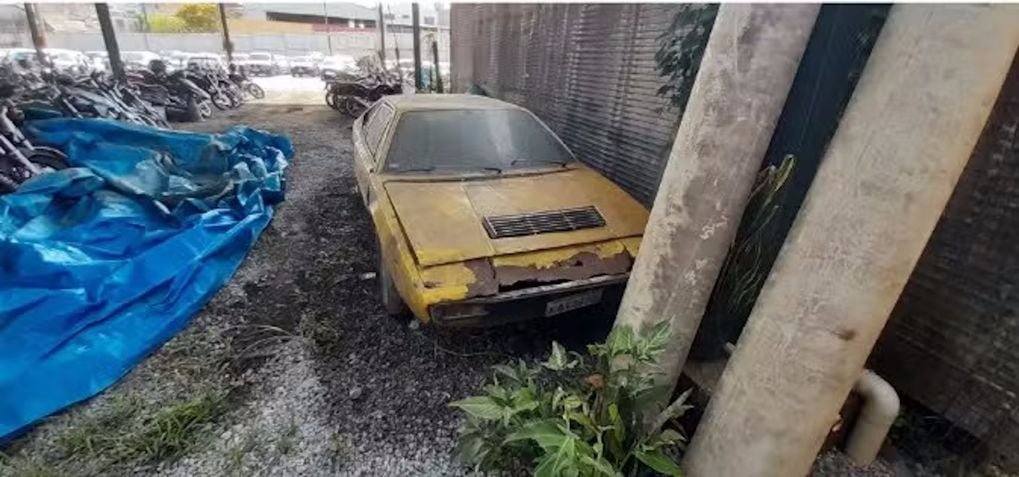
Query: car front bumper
x=529, y=303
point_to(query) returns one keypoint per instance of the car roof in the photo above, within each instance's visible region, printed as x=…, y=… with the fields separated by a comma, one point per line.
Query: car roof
x=420, y=102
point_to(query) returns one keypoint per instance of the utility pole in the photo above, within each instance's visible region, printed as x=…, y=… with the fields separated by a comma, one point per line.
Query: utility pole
x=38, y=40
x=416, y=18
x=227, y=44
x=726, y=127
x=435, y=66
x=329, y=36
x=110, y=39
x=902, y=143
x=382, y=37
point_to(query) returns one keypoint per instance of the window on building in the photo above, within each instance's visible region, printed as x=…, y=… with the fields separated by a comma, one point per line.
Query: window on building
x=429, y=20
x=389, y=16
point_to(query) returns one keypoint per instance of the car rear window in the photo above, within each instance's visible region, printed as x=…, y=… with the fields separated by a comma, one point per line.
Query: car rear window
x=472, y=139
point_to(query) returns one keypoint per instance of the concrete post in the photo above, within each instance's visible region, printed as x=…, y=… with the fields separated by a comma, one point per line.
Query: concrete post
x=228, y=45
x=435, y=66
x=746, y=72
x=110, y=40
x=382, y=37
x=38, y=38
x=905, y=137
x=415, y=14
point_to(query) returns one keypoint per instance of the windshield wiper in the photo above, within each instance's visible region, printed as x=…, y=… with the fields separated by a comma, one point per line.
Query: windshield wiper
x=418, y=169
x=539, y=161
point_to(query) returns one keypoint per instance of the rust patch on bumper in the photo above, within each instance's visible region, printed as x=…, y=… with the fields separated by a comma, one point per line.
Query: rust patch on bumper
x=484, y=278
x=581, y=266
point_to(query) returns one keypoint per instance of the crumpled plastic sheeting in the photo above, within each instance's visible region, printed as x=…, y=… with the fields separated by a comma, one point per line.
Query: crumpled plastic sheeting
x=102, y=263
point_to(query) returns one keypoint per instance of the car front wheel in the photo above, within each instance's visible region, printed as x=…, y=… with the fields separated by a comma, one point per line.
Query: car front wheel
x=391, y=301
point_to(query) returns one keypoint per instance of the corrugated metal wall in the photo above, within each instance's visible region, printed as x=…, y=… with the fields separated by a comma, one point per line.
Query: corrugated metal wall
x=589, y=72
x=586, y=70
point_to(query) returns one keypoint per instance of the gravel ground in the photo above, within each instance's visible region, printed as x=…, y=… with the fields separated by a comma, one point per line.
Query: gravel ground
x=317, y=380
x=308, y=375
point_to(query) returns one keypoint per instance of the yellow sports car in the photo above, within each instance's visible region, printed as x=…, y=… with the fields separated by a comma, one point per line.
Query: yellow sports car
x=483, y=215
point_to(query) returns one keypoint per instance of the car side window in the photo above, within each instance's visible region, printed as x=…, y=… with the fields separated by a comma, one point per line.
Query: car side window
x=375, y=125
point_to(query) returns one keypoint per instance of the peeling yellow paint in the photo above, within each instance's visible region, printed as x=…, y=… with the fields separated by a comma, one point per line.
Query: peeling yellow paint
x=551, y=258
x=632, y=245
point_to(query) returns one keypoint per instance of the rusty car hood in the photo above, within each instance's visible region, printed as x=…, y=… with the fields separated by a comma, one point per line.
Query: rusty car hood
x=443, y=219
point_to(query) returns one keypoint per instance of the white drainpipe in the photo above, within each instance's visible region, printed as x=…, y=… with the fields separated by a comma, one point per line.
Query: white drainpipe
x=880, y=408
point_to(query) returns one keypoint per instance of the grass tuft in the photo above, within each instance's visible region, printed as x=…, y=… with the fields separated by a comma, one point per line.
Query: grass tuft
x=170, y=432
x=235, y=455
x=288, y=440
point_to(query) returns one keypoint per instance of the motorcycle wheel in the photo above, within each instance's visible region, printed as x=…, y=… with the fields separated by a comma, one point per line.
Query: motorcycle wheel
x=221, y=102
x=48, y=160
x=205, y=110
x=255, y=90
x=351, y=106
x=52, y=151
x=331, y=100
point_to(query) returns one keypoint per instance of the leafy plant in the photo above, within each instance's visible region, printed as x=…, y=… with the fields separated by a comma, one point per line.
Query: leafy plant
x=681, y=47
x=166, y=24
x=199, y=17
x=576, y=415
x=746, y=266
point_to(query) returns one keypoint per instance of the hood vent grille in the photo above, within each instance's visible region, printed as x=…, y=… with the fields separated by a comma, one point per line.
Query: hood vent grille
x=534, y=223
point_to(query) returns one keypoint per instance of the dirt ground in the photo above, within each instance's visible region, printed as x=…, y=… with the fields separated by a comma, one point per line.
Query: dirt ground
x=293, y=368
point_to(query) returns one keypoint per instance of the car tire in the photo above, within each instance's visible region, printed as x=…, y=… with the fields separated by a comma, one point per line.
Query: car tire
x=388, y=295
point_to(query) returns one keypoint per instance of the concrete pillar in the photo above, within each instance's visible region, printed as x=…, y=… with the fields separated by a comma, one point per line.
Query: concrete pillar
x=746, y=72
x=905, y=137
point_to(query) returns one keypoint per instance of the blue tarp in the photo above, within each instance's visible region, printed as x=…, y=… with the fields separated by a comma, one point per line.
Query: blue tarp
x=102, y=263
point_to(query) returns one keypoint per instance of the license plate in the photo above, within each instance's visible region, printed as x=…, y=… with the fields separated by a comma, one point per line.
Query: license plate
x=572, y=302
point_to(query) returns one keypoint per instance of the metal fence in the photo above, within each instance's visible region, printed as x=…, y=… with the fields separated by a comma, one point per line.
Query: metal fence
x=355, y=43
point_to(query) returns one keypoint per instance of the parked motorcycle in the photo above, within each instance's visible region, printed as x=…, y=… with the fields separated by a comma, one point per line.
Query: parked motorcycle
x=20, y=160
x=181, y=98
x=216, y=82
x=353, y=95
x=241, y=80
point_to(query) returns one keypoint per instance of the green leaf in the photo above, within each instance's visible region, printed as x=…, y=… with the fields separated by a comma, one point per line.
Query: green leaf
x=620, y=341
x=482, y=407
x=618, y=430
x=600, y=466
x=659, y=462
x=583, y=420
x=506, y=371
x=469, y=450
x=559, y=359
x=571, y=402
x=523, y=400
x=658, y=337
x=671, y=436
x=557, y=397
x=562, y=462
x=546, y=433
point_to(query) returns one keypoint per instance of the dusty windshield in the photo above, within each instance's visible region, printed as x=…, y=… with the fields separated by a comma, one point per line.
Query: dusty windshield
x=472, y=140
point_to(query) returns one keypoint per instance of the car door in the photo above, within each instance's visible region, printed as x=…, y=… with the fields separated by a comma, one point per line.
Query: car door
x=369, y=131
